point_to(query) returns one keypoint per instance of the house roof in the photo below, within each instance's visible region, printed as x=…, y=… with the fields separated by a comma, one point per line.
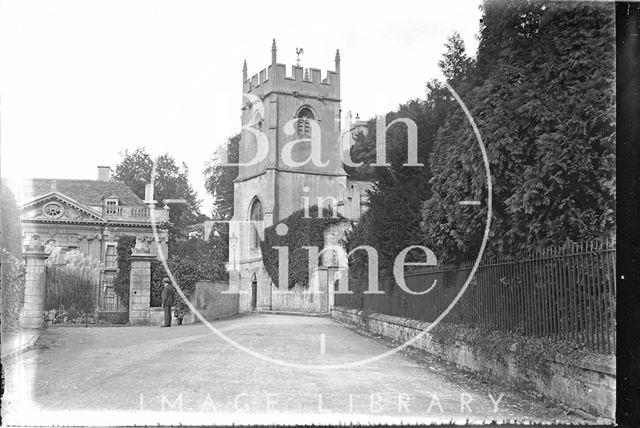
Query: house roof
x=86, y=192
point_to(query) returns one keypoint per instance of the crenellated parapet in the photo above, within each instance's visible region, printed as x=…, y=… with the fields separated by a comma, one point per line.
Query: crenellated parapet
x=299, y=82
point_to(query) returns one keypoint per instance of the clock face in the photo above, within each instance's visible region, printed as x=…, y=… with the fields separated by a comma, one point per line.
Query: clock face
x=324, y=338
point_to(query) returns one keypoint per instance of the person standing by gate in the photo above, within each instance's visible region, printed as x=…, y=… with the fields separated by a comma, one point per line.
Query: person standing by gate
x=167, y=301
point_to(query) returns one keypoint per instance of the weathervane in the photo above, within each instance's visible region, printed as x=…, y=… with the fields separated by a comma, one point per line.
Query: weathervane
x=298, y=52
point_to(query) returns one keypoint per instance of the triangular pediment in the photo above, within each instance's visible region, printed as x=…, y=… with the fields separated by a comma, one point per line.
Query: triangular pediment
x=57, y=207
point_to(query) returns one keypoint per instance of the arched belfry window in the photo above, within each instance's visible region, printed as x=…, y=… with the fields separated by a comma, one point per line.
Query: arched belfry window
x=305, y=116
x=256, y=214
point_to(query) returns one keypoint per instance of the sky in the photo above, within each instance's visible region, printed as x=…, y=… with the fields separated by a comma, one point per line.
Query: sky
x=81, y=81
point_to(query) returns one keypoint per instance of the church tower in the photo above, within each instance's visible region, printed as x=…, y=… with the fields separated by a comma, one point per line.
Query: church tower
x=289, y=151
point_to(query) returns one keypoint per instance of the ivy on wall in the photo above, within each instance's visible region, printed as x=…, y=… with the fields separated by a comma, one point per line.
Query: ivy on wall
x=303, y=231
x=121, y=281
x=157, y=273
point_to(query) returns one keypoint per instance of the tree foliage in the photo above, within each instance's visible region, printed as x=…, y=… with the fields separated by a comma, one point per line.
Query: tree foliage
x=542, y=95
x=302, y=232
x=219, y=178
x=392, y=221
x=195, y=259
x=457, y=67
x=11, y=258
x=171, y=182
x=189, y=261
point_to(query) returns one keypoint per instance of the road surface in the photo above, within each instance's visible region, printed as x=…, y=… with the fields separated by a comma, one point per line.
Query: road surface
x=150, y=375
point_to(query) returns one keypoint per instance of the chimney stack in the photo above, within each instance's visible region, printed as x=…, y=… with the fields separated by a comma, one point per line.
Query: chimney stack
x=104, y=173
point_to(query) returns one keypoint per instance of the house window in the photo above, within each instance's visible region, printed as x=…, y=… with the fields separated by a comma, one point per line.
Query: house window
x=111, y=206
x=110, y=260
x=305, y=116
x=256, y=214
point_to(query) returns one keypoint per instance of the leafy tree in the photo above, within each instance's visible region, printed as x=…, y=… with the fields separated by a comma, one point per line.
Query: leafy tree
x=10, y=229
x=11, y=257
x=171, y=182
x=457, y=67
x=219, y=178
x=392, y=221
x=193, y=260
x=543, y=99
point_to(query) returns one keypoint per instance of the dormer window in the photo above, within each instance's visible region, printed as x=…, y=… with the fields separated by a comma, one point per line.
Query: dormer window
x=111, y=206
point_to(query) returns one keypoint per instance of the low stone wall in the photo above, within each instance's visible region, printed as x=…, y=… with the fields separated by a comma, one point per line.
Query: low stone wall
x=212, y=303
x=312, y=298
x=114, y=317
x=156, y=317
x=298, y=299
x=587, y=383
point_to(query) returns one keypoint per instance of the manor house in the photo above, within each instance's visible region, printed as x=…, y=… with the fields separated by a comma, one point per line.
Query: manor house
x=89, y=216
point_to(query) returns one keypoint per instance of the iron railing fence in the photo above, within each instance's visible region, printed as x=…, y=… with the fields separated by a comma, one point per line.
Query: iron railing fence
x=564, y=292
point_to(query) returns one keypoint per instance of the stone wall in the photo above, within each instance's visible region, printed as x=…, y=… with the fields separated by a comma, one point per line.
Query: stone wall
x=114, y=317
x=208, y=299
x=313, y=298
x=588, y=384
x=212, y=303
x=156, y=317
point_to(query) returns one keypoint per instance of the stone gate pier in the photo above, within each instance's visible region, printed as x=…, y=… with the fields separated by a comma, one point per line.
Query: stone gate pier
x=34, y=285
x=140, y=288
